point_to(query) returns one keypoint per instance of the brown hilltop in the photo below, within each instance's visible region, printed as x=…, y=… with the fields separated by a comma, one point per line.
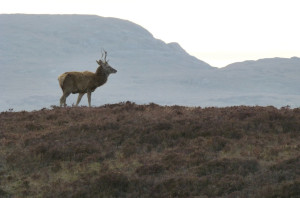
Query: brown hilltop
x=129, y=150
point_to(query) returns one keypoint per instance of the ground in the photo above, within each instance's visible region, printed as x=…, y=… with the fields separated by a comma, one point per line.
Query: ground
x=130, y=150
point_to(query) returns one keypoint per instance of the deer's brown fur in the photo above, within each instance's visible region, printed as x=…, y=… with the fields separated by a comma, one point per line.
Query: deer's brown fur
x=84, y=82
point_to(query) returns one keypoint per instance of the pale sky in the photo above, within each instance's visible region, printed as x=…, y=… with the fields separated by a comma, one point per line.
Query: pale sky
x=218, y=32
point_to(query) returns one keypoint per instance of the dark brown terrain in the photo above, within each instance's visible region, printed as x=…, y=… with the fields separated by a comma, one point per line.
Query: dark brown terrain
x=129, y=150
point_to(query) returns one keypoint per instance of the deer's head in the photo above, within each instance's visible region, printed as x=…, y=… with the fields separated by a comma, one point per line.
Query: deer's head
x=103, y=63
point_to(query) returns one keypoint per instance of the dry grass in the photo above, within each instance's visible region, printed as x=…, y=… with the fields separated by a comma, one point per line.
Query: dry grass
x=129, y=150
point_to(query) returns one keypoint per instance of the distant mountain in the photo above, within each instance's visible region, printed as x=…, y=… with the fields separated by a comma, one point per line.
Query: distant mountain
x=35, y=49
x=63, y=36
x=271, y=75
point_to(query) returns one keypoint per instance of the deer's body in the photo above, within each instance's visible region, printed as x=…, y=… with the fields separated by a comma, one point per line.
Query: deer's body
x=84, y=82
x=80, y=82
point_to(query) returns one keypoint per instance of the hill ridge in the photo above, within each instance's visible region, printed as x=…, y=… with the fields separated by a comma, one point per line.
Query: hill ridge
x=130, y=150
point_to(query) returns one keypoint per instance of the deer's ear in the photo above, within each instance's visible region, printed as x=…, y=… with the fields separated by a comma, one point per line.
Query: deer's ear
x=99, y=62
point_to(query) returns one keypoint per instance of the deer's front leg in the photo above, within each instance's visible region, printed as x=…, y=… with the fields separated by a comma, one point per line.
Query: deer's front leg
x=89, y=97
x=79, y=98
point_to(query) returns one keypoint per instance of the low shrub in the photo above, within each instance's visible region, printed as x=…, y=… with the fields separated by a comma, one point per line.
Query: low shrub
x=228, y=166
x=151, y=169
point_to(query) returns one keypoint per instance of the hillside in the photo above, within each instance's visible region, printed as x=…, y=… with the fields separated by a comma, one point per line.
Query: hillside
x=35, y=49
x=130, y=150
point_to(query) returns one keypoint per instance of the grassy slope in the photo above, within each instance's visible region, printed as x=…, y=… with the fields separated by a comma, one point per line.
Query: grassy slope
x=129, y=150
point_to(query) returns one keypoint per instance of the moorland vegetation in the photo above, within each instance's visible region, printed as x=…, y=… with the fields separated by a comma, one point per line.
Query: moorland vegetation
x=130, y=150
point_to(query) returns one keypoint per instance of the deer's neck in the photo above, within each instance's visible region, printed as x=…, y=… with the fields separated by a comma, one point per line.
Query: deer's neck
x=101, y=76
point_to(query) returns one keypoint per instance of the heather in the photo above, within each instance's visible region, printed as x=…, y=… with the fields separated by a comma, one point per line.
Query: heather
x=130, y=150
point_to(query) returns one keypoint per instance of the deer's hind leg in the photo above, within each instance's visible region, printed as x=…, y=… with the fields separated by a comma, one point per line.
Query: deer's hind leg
x=63, y=99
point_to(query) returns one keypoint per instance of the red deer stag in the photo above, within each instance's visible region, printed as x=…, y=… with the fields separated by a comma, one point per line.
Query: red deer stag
x=84, y=82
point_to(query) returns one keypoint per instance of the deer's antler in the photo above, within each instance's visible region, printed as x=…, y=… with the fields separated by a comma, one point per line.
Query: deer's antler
x=104, y=54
